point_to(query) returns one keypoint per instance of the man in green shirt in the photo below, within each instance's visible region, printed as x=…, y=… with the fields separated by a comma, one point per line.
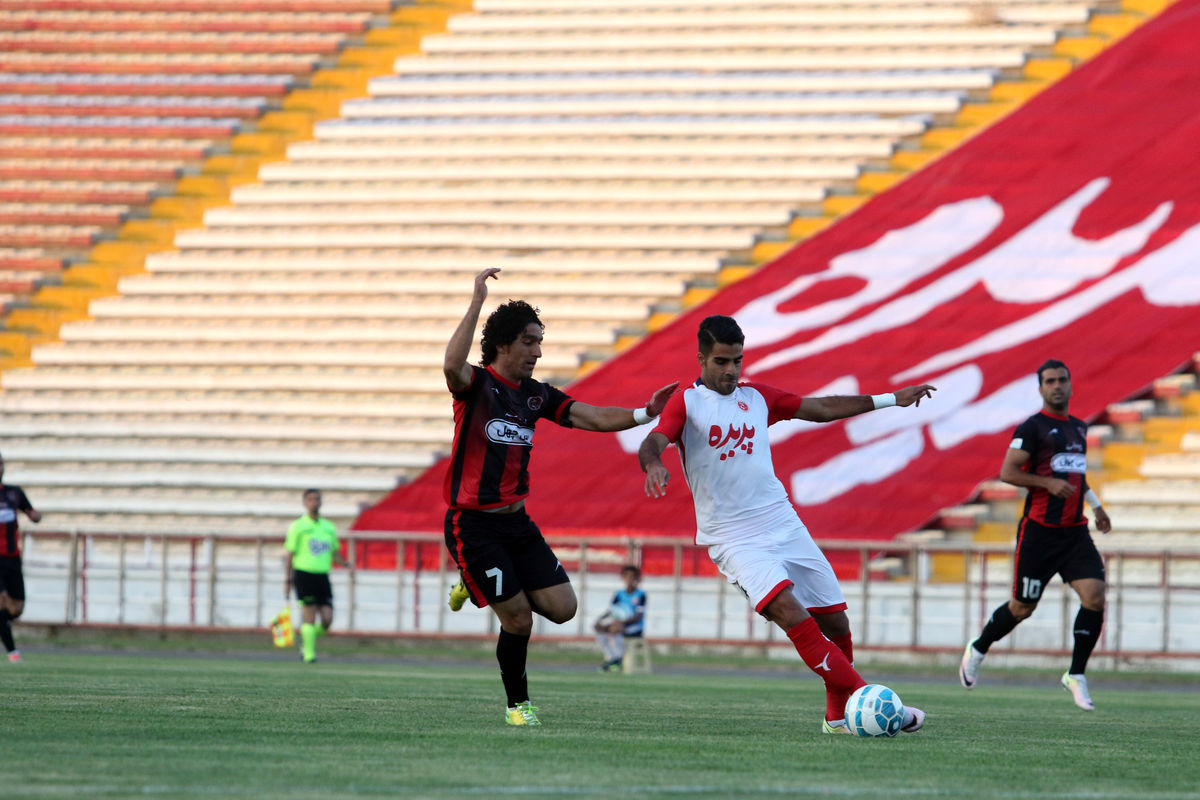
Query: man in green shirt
x=310, y=550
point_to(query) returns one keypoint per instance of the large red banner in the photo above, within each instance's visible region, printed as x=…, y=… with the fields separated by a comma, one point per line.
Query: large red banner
x=1069, y=230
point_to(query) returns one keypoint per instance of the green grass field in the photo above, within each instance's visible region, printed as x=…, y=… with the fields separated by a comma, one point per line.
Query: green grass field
x=161, y=724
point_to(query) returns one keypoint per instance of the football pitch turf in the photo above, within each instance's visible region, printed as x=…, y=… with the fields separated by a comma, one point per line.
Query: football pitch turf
x=157, y=724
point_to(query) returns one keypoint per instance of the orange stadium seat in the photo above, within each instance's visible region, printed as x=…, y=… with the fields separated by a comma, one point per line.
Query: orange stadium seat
x=162, y=22
x=62, y=214
x=157, y=63
x=78, y=192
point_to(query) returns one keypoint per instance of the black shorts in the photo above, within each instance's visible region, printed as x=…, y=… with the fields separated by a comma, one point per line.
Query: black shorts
x=12, y=580
x=500, y=555
x=312, y=589
x=1043, y=551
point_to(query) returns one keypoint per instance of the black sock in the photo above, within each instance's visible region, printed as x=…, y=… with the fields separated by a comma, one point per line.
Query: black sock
x=511, y=650
x=6, y=630
x=999, y=626
x=1087, y=632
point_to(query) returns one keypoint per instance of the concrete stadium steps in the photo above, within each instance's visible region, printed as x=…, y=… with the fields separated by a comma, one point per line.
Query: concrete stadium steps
x=385, y=356
x=713, y=214
x=246, y=428
x=282, y=330
x=796, y=192
x=436, y=129
x=101, y=453
x=636, y=83
x=722, y=59
x=762, y=103
x=719, y=239
x=767, y=14
x=465, y=263
x=550, y=146
x=649, y=168
x=765, y=38
x=254, y=404
x=189, y=476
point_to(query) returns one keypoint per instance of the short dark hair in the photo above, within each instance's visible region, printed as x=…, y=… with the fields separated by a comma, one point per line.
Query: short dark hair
x=307, y=492
x=718, y=328
x=1052, y=363
x=631, y=568
x=504, y=325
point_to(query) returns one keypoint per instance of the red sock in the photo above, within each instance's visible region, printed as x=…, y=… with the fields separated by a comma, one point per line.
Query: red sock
x=846, y=645
x=835, y=702
x=829, y=663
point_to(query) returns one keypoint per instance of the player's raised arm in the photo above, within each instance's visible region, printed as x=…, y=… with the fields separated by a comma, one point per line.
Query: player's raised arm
x=455, y=366
x=615, y=418
x=828, y=409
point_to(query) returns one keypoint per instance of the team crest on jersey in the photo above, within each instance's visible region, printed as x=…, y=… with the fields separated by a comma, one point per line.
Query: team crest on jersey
x=742, y=405
x=504, y=432
x=534, y=403
x=739, y=437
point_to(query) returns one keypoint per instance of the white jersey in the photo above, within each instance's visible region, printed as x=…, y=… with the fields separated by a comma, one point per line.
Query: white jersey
x=726, y=455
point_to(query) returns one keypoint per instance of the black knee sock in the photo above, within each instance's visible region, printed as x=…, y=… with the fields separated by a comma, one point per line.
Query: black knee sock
x=999, y=626
x=511, y=650
x=1087, y=632
x=6, y=630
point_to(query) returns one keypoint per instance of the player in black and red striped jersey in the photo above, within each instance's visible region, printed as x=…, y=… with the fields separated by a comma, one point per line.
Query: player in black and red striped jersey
x=503, y=560
x=12, y=578
x=1048, y=456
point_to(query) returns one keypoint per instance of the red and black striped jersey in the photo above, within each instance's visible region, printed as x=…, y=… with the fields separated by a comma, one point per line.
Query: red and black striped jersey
x=493, y=437
x=12, y=500
x=1057, y=448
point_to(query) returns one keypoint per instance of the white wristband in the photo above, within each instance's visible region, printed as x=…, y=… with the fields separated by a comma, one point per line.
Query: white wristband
x=1091, y=499
x=883, y=400
x=640, y=416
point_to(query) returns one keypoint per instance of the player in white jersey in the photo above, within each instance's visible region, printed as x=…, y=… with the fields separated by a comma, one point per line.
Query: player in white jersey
x=743, y=512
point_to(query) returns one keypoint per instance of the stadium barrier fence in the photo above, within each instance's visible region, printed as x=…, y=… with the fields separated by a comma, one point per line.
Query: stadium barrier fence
x=906, y=599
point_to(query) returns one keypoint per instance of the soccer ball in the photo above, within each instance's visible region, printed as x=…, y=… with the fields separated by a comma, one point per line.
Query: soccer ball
x=621, y=611
x=874, y=710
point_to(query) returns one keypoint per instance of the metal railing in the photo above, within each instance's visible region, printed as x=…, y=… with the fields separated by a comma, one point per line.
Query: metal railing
x=915, y=597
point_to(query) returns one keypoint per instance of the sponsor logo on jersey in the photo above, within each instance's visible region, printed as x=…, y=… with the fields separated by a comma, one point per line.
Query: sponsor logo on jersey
x=7, y=514
x=503, y=432
x=742, y=405
x=737, y=437
x=1069, y=462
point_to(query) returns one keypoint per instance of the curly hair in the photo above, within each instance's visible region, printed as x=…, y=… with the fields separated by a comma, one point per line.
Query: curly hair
x=504, y=325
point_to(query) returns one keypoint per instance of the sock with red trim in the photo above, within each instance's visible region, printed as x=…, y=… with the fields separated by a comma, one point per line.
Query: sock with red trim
x=829, y=663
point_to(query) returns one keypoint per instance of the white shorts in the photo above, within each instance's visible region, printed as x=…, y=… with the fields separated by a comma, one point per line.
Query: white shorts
x=786, y=557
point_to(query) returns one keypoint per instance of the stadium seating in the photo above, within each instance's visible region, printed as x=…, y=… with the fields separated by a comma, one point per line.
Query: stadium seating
x=614, y=157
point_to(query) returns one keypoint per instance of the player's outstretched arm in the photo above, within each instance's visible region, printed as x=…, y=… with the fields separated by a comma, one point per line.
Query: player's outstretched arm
x=455, y=366
x=650, y=457
x=615, y=418
x=828, y=409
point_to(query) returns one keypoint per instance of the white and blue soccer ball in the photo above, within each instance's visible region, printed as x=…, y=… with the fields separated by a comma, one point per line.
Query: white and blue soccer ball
x=621, y=611
x=874, y=710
